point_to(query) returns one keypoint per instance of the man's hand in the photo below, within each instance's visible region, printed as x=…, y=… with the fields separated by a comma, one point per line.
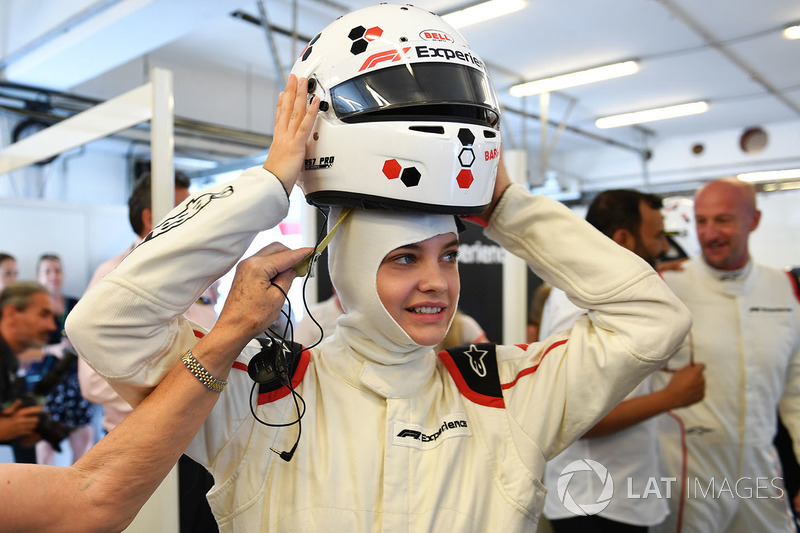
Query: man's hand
x=17, y=421
x=253, y=303
x=672, y=264
x=687, y=385
x=294, y=120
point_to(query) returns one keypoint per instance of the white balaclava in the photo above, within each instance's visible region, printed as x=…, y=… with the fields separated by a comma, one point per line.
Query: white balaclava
x=356, y=252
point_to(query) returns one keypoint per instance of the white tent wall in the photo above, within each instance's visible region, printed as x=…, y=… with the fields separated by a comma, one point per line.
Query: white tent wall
x=673, y=161
x=776, y=242
x=72, y=231
x=203, y=91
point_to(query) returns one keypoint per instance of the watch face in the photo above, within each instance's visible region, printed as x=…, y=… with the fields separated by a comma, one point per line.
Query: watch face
x=753, y=140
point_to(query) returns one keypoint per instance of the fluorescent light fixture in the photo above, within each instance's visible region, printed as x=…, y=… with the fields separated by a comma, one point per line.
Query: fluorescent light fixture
x=650, y=115
x=792, y=32
x=575, y=78
x=483, y=11
x=770, y=175
x=784, y=186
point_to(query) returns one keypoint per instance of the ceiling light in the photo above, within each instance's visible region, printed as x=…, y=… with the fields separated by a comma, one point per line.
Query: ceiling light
x=792, y=32
x=483, y=11
x=770, y=175
x=650, y=115
x=582, y=77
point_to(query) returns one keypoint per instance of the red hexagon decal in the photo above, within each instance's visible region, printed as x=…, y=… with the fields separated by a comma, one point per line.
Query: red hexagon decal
x=373, y=33
x=465, y=178
x=392, y=169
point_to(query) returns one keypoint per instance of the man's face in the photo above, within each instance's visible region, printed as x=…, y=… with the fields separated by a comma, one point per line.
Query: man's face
x=651, y=242
x=724, y=221
x=32, y=326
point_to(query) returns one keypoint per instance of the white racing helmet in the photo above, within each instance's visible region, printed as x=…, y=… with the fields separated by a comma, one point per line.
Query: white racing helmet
x=408, y=117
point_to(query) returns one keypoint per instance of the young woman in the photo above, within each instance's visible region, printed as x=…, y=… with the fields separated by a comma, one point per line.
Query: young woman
x=392, y=434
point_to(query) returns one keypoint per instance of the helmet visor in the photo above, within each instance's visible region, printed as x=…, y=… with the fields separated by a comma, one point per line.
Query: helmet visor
x=419, y=91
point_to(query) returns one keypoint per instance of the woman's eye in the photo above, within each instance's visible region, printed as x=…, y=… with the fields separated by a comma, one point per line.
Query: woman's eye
x=451, y=256
x=405, y=259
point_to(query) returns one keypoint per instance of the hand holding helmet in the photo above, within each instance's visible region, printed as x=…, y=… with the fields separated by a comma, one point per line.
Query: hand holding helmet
x=293, y=122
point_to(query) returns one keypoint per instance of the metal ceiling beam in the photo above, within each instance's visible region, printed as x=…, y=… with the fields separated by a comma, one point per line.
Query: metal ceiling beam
x=679, y=13
x=53, y=106
x=593, y=136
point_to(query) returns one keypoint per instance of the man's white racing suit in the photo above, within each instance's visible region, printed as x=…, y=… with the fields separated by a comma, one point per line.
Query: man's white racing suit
x=747, y=332
x=631, y=455
x=450, y=443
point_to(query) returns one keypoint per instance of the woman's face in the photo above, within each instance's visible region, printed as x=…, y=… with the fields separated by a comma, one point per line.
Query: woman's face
x=418, y=285
x=50, y=275
x=8, y=273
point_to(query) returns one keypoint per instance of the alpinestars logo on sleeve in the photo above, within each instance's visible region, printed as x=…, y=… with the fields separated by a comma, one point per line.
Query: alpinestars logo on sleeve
x=194, y=206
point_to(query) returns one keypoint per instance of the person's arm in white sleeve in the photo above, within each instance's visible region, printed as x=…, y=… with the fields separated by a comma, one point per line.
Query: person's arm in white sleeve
x=633, y=325
x=104, y=490
x=129, y=327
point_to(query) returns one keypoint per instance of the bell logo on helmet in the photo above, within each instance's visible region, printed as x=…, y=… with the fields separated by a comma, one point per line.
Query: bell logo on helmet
x=436, y=35
x=380, y=57
x=361, y=37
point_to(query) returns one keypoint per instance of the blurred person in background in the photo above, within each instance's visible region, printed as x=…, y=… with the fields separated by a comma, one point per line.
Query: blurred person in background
x=63, y=401
x=8, y=270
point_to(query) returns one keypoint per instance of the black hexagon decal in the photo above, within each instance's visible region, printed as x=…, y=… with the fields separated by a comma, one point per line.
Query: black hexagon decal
x=410, y=177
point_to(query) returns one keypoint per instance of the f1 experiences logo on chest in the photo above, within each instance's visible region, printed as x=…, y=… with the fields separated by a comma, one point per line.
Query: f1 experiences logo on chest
x=415, y=436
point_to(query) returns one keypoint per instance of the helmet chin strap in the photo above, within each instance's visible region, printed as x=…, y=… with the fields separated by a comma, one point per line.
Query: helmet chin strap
x=304, y=265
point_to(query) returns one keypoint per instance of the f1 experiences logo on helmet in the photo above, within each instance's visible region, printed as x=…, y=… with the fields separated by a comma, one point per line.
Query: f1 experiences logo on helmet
x=588, y=466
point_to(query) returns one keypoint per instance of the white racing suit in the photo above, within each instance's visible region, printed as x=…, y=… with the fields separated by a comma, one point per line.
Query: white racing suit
x=747, y=333
x=456, y=442
x=631, y=455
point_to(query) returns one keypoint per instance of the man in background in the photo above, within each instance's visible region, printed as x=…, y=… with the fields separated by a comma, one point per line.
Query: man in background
x=26, y=321
x=625, y=441
x=746, y=331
